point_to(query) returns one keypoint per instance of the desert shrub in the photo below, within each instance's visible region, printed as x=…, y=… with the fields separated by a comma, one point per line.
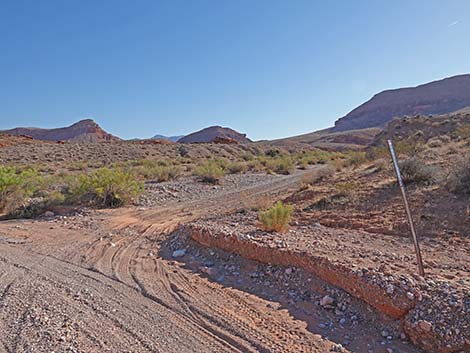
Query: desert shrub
x=209, y=172
x=464, y=132
x=346, y=189
x=183, y=151
x=354, y=158
x=317, y=175
x=302, y=163
x=458, y=181
x=236, y=167
x=247, y=157
x=402, y=148
x=159, y=173
x=280, y=165
x=255, y=165
x=272, y=153
x=104, y=188
x=414, y=170
x=16, y=186
x=276, y=218
x=284, y=165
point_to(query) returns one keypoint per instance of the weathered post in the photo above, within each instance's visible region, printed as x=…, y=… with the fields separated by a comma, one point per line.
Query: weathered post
x=419, y=259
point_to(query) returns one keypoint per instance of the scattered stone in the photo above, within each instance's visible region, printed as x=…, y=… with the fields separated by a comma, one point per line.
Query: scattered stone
x=179, y=253
x=327, y=302
x=425, y=325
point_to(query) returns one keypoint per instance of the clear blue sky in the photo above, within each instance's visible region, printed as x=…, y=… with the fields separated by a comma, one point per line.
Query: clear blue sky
x=265, y=67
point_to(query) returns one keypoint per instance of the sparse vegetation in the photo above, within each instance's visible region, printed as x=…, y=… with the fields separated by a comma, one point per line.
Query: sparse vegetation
x=458, y=181
x=415, y=171
x=158, y=173
x=464, y=132
x=16, y=186
x=104, y=188
x=209, y=172
x=276, y=219
x=236, y=167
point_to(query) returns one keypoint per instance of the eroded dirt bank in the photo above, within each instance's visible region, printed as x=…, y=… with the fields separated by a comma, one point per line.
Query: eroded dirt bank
x=435, y=312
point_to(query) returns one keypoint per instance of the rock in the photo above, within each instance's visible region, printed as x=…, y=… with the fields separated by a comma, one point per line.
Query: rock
x=208, y=270
x=179, y=253
x=410, y=296
x=327, y=301
x=384, y=333
x=390, y=288
x=49, y=214
x=424, y=325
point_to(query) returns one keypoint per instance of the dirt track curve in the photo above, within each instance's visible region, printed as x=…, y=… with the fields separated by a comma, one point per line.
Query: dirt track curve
x=97, y=284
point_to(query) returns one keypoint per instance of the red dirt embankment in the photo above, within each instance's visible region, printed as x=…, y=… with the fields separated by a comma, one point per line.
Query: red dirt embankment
x=395, y=304
x=398, y=298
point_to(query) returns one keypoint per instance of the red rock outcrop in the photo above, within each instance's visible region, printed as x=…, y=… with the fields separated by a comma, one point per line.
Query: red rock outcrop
x=83, y=131
x=213, y=134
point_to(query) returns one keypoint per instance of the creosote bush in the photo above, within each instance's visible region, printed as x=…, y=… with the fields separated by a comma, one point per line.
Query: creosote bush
x=415, y=171
x=104, y=188
x=16, y=186
x=209, y=172
x=276, y=219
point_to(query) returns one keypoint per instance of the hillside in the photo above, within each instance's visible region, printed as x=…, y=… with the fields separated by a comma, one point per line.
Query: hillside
x=83, y=131
x=214, y=133
x=438, y=97
x=326, y=139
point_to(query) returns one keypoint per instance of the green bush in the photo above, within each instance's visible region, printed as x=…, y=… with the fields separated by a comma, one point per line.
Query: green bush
x=280, y=165
x=276, y=218
x=16, y=186
x=209, y=172
x=414, y=170
x=104, y=188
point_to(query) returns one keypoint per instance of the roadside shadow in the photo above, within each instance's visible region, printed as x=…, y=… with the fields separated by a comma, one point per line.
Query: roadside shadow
x=346, y=321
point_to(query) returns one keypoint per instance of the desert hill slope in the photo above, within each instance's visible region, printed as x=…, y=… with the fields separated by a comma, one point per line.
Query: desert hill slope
x=437, y=97
x=85, y=130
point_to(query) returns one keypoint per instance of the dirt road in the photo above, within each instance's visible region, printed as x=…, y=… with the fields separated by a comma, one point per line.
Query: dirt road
x=97, y=282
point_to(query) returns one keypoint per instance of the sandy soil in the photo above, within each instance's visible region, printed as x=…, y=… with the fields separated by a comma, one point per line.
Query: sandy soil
x=100, y=281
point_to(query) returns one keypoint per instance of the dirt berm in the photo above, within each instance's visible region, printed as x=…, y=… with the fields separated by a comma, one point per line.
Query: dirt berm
x=431, y=321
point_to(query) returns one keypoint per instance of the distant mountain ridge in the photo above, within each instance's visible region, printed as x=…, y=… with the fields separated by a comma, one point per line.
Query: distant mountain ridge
x=434, y=98
x=85, y=130
x=167, y=138
x=214, y=134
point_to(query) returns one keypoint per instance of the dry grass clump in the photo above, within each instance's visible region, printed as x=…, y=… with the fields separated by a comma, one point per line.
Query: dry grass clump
x=458, y=181
x=276, y=218
x=416, y=171
x=315, y=176
x=236, y=167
